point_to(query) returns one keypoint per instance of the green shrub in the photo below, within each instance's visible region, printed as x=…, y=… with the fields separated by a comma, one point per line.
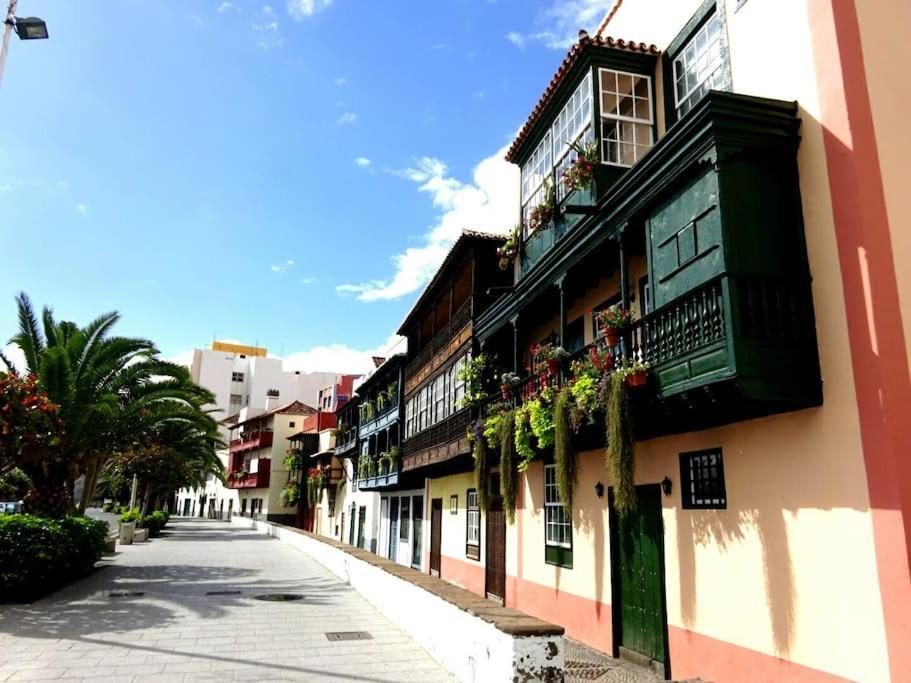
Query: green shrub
x=107, y=507
x=38, y=555
x=133, y=516
x=155, y=522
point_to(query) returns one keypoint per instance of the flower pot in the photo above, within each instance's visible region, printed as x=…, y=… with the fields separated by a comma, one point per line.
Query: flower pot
x=612, y=336
x=637, y=379
x=553, y=365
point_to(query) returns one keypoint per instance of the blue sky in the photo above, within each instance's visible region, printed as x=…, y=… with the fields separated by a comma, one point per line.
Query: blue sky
x=285, y=173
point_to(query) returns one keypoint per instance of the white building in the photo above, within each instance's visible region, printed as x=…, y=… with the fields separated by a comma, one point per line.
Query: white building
x=246, y=383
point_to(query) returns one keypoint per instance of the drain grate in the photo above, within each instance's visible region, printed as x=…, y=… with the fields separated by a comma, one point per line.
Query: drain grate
x=279, y=597
x=126, y=594
x=223, y=592
x=585, y=671
x=348, y=635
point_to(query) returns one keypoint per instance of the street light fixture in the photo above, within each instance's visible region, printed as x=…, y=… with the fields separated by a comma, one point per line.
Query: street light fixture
x=29, y=28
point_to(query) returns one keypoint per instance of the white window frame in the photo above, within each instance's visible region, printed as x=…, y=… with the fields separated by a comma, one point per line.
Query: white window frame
x=688, y=64
x=473, y=523
x=555, y=515
x=237, y=376
x=562, y=149
x=620, y=119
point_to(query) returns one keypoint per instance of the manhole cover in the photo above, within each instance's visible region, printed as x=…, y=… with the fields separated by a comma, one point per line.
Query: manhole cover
x=348, y=635
x=279, y=597
x=223, y=592
x=125, y=594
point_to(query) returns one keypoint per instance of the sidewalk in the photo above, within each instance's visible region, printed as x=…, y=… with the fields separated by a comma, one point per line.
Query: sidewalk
x=174, y=631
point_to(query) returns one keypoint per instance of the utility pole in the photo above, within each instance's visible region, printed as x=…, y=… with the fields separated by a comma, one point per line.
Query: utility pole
x=7, y=30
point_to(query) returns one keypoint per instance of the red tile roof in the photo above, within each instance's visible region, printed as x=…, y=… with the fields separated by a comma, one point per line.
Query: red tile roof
x=584, y=41
x=293, y=408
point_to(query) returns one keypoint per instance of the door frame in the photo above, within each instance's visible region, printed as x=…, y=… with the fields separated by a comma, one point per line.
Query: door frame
x=436, y=506
x=495, y=504
x=616, y=598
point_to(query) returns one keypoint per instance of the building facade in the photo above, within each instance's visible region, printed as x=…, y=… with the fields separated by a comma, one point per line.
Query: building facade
x=737, y=210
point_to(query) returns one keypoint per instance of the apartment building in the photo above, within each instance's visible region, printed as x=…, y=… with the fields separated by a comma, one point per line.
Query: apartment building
x=707, y=239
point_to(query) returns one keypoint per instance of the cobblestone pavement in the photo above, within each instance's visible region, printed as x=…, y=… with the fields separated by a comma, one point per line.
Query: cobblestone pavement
x=585, y=665
x=175, y=630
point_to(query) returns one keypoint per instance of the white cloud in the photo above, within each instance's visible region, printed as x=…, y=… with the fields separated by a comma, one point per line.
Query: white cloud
x=301, y=9
x=561, y=23
x=341, y=358
x=81, y=208
x=488, y=203
x=282, y=267
x=184, y=358
x=5, y=188
x=516, y=39
x=225, y=6
x=308, y=280
x=438, y=46
x=15, y=356
x=347, y=119
x=363, y=162
x=339, y=82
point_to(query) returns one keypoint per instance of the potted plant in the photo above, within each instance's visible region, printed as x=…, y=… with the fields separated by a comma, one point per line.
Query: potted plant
x=636, y=374
x=581, y=173
x=542, y=214
x=612, y=322
x=548, y=357
x=507, y=252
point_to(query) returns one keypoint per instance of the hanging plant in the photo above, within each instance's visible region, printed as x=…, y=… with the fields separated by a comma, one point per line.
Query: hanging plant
x=477, y=375
x=521, y=437
x=481, y=463
x=293, y=461
x=290, y=495
x=612, y=321
x=620, y=453
x=581, y=173
x=564, y=456
x=542, y=214
x=508, y=464
x=507, y=252
x=541, y=418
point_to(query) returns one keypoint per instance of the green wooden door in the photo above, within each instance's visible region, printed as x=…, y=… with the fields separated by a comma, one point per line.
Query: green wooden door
x=640, y=573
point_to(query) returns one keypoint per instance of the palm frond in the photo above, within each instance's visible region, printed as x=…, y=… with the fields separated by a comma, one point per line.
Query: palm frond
x=29, y=337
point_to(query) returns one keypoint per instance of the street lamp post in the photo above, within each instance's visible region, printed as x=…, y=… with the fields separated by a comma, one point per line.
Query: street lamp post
x=27, y=28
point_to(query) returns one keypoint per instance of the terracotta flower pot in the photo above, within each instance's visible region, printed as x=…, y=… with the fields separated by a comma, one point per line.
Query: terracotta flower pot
x=637, y=379
x=612, y=336
x=553, y=365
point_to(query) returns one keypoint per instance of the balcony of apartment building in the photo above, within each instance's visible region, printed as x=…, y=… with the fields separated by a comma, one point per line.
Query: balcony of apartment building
x=251, y=440
x=245, y=472
x=441, y=334
x=700, y=234
x=379, y=463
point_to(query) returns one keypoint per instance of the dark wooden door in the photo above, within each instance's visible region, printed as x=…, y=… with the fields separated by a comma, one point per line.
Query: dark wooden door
x=639, y=576
x=436, y=535
x=495, y=546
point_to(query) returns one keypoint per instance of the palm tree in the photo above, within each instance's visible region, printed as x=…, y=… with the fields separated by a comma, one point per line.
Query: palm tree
x=111, y=391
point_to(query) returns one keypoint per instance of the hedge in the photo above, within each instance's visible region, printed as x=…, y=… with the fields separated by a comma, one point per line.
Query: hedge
x=39, y=555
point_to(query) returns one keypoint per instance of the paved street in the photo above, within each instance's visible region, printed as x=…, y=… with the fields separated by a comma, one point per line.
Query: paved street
x=174, y=631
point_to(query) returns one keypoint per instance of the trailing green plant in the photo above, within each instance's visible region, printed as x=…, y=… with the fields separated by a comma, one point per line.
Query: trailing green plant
x=507, y=252
x=291, y=494
x=293, y=461
x=541, y=418
x=542, y=214
x=564, y=456
x=481, y=455
x=581, y=173
x=392, y=391
x=508, y=476
x=521, y=437
x=620, y=451
x=477, y=373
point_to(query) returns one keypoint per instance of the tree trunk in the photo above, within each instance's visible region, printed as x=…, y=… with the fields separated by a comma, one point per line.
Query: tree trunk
x=146, y=499
x=88, y=488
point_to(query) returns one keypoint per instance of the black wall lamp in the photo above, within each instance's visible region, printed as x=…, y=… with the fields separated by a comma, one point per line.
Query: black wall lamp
x=599, y=489
x=666, y=485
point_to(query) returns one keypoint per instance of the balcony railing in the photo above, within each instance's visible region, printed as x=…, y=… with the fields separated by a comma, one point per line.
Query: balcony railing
x=251, y=480
x=346, y=441
x=442, y=338
x=452, y=428
x=251, y=442
x=380, y=421
x=384, y=477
